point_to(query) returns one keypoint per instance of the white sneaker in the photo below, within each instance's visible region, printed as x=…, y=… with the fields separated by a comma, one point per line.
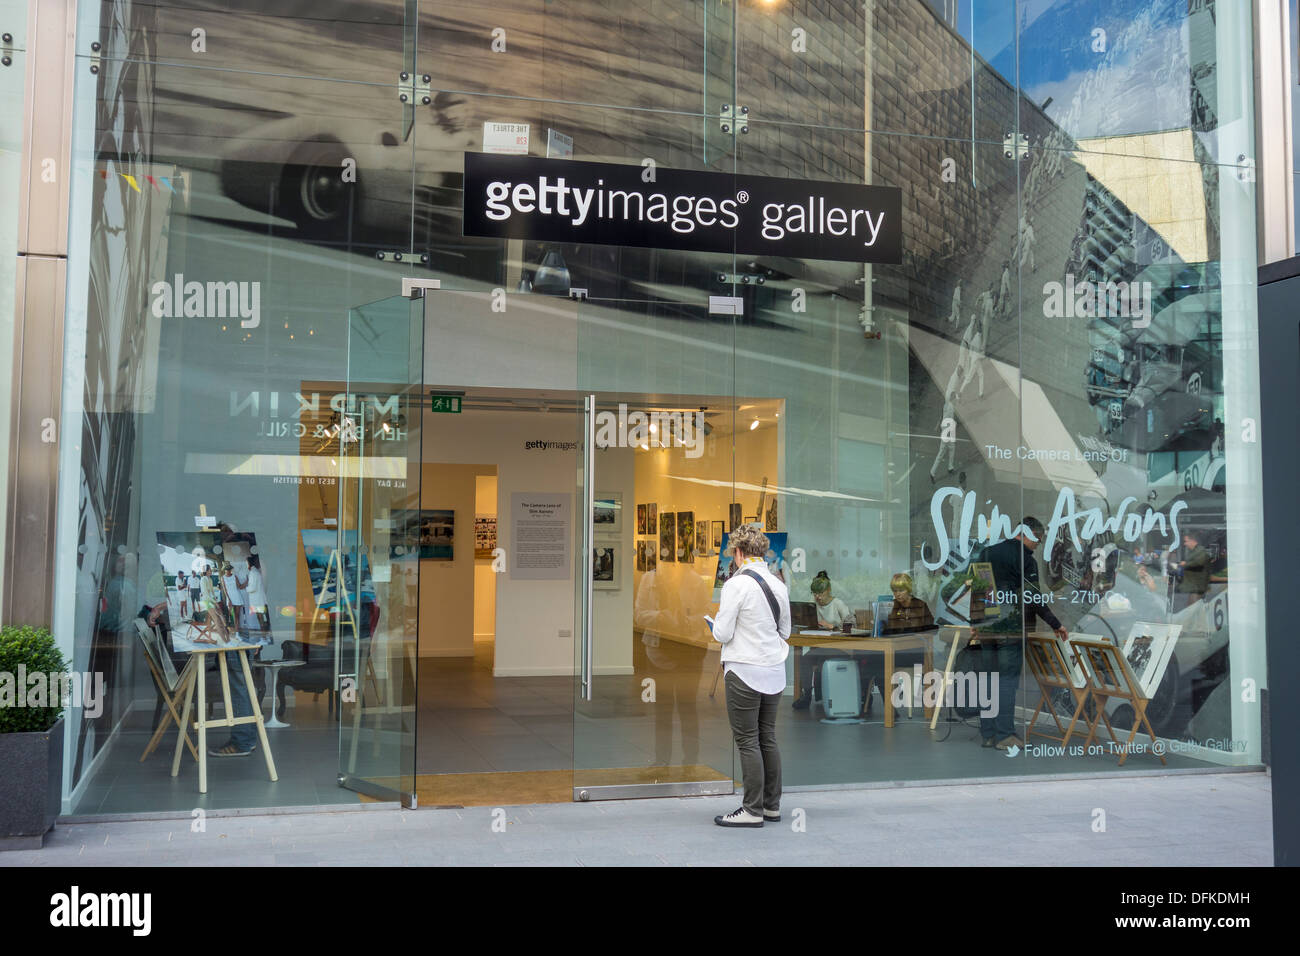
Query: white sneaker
x=740, y=817
x=771, y=816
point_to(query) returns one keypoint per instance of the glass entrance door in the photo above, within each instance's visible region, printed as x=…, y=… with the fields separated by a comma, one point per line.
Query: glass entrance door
x=656, y=486
x=372, y=580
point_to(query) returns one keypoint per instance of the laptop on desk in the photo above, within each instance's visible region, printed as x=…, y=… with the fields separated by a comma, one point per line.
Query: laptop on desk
x=803, y=615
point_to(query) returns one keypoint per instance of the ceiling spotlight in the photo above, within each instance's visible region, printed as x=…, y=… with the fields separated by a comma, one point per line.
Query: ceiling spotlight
x=753, y=424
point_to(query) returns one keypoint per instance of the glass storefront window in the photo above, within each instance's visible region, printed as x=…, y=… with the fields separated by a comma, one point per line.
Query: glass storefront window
x=1065, y=337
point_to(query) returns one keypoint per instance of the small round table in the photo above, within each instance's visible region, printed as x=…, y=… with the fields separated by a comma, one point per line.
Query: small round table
x=274, y=667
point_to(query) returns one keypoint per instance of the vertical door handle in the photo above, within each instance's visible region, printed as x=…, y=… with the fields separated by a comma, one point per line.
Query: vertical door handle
x=588, y=540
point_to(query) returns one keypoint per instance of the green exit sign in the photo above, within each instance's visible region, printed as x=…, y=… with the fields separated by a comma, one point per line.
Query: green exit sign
x=447, y=404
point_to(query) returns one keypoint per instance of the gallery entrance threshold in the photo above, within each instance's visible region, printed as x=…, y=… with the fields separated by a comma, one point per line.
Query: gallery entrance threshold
x=516, y=788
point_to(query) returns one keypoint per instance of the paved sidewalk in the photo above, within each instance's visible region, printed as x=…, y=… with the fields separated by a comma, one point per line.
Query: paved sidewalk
x=1190, y=820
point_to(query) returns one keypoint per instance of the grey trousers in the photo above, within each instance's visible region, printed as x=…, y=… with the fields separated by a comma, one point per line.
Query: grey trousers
x=753, y=725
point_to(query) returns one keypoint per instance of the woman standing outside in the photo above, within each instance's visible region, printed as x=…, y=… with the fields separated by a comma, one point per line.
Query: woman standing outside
x=753, y=625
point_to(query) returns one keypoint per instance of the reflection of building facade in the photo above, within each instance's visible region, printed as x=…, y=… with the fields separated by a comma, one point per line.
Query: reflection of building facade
x=1052, y=343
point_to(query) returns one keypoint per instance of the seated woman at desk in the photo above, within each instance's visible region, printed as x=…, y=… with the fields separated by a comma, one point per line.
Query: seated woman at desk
x=909, y=613
x=832, y=612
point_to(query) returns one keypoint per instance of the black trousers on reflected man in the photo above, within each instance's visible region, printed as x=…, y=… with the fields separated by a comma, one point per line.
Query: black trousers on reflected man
x=753, y=725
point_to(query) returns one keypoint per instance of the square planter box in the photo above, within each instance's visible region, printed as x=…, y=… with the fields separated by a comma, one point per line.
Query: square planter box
x=31, y=786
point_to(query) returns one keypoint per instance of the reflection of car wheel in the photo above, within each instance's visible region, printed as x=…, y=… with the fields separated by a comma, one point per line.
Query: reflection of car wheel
x=313, y=193
x=1123, y=718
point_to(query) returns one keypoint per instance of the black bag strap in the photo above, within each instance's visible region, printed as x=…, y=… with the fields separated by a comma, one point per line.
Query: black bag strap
x=771, y=598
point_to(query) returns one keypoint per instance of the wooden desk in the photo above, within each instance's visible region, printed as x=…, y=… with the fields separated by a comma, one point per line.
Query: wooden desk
x=920, y=640
x=197, y=678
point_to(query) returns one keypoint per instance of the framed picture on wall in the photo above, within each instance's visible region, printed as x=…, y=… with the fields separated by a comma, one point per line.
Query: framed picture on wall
x=607, y=512
x=640, y=519
x=485, y=535
x=771, y=518
x=651, y=554
x=733, y=515
x=640, y=554
x=685, y=535
x=604, y=566
x=652, y=518
x=702, y=538
x=719, y=529
x=437, y=535
x=668, y=537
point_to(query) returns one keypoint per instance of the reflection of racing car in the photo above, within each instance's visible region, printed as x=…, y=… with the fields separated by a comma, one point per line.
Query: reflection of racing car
x=355, y=174
x=1197, y=665
x=1152, y=385
x=1130, y=588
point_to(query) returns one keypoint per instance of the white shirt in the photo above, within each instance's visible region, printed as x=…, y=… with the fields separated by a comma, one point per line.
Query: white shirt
x=753, y=645
x=256, y=594
x=835, y=613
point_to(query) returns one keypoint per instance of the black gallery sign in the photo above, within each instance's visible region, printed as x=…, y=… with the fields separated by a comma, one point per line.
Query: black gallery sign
x=561, y=200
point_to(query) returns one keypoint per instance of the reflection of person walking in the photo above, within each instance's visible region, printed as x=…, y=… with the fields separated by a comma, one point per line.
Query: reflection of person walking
x=753, y=626
x=677, y=668
x=1193, y=572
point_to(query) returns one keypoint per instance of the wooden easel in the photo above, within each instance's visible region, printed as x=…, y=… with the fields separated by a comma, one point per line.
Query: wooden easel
x=947, y=667
x=197, y=680
x=342, y=606
x=171, y=697
x=342, y=601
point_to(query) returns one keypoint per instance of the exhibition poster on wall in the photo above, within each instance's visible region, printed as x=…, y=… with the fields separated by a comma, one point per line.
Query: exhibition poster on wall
x=215, y=588
x=539, y=536
x=604, y=566
x=485, y=535
x=668, y=536
x=437, y=535
x=607, y=513
x=727, y=565
x=686, y=536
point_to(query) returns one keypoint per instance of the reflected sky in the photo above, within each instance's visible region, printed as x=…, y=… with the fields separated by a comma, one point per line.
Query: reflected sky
x=1144, y=72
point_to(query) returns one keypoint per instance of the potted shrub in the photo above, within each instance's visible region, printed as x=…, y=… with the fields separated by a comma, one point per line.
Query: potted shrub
x=31, y=737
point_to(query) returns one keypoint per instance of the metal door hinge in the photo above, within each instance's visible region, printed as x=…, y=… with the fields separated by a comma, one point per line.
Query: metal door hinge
x=729, y=118
x=741, y=278
x=385, y=255
x=412, y=89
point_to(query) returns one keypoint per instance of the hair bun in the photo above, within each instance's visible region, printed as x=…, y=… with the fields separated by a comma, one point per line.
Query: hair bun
x=822, y=574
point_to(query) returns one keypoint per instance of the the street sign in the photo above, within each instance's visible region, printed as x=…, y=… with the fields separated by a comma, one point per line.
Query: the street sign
x=507, y=138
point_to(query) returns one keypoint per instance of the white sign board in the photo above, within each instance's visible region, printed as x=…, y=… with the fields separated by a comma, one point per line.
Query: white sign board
x=509, y=138
x=539, y=536
x=558, y=146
